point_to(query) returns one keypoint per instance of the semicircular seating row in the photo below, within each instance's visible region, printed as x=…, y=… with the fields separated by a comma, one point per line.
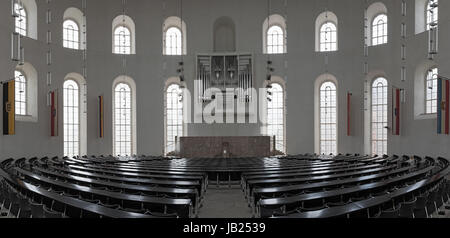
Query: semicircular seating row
x=300, y=186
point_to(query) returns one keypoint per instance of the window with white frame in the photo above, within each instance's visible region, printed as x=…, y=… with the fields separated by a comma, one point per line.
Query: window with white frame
x=275, y=40
x=122, y=40
x=379, y=116
x=174, y=116
x=21, y=93
x=275, y=115
x=328, y=118
x=71, y=118
x=432, y=11
x=431, y=91
x=71, y=35
x=21, y=20
x=122, y=120
x=174, y=41
x=380, y=30
x=274, y=35
x=328, y=37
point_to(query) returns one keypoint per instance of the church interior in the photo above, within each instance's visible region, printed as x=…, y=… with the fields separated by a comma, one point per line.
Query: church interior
x=225, y=109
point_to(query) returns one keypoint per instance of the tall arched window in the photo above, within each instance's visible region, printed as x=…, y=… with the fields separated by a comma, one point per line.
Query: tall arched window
x=275, y=40
x=21, y=93
x=431, y=91
x=432, y=12
x=21, y=20
x=174, y=116
x=71, y=118
x=122, y=120
x=275, y=115
x=328, y=118
x=122, y=40
x=328, y=37
x=174, y=36
x=71, y=35
x=173, y=41
x=274, y=34
x=380, y=30
x=379, y=116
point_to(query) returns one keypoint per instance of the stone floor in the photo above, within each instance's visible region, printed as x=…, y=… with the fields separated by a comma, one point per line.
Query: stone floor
x=224, y=202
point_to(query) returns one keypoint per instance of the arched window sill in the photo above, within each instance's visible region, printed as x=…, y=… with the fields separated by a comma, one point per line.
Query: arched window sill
x=384, y=44
x=276, y=53
x=72, y=49
x=21, y=118
x=174, y=55
x=327, y=52
x=426, y=116
x=119, y=54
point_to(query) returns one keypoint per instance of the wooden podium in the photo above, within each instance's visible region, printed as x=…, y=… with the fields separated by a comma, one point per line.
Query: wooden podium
x=225, y=147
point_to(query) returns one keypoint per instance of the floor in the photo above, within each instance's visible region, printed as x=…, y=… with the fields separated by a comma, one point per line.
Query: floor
x=224, y=202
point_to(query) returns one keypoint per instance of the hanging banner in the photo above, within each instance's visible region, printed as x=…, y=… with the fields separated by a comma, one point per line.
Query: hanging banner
x=396, y=98
x=443, y=106
x=349, y=98
x=54, y=113
x=101, y=120
x=9, y=114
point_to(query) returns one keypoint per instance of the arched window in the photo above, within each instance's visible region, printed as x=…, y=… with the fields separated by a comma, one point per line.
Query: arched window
x=328, y=37
x=431, y=91
x=21, y=93
x=379, y=121
x=274, y=35
x=123, y=120
x=26, y=81
x=328, y=118
x=71, y=118
x=174, y=116
x=275, y=115
x=71, y=35
x=380, y=30
x=174, y=36
x=123, y=35
x=432, y=12
x=74, y=29
x=275, y=40
x=122, y=40
x=173, y=41
x=21, y=19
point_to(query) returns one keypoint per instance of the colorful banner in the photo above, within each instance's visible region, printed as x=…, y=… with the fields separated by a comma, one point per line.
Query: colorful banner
x=396, y=98
x=101, y=117
x=54, y=113
x=9, y=106
x=443, y=106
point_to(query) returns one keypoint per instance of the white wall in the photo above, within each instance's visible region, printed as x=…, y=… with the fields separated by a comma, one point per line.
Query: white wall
x=146, y=68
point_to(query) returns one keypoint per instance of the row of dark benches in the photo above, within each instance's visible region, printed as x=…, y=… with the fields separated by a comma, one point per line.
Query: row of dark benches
x=299, y=186
x=350, y=186
x=98, y=187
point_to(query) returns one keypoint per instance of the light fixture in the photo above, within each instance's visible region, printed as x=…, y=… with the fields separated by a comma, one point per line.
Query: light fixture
x=217, y=71
x=231, y=72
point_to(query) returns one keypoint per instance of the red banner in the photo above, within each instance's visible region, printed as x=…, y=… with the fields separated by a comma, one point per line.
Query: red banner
x=54, y=113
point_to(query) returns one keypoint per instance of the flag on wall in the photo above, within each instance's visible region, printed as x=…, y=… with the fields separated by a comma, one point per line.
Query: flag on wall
x=54, y=113
x=443, y=106
x=9, y=114
x=349, y=99
x=396, y=98
x=101, y=120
